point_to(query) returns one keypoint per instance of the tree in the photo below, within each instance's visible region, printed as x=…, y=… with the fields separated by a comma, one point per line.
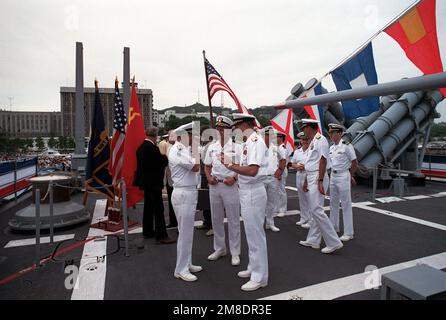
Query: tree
x=175, y=122
x=52, y=143
x=439, y=130
x=264, y=122
x=3, y=142
x=71, y=144
x=62, y=142
x=162, y=131
x=39, y=143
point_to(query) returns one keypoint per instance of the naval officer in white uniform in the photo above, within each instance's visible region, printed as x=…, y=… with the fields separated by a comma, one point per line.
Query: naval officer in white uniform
x=273, y=174
x=223, y=191
x=252, y=200
x=185, y=176
x=343, y=166
x=298, y=163
x=316, y=184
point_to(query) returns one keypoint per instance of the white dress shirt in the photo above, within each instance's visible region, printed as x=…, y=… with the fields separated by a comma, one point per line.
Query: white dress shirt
x=253, y=153
x=341, y=156
x=181, y=164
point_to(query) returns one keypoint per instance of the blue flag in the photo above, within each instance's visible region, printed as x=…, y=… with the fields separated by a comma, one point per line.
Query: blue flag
x=359, y=71
x=98, y=157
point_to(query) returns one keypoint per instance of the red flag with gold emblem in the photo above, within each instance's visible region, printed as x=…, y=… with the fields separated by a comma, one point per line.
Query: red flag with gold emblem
x=135, y=136
x=416, y=33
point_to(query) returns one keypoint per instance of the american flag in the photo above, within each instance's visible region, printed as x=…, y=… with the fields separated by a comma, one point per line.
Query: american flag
x=217, y=83
x=117, y=145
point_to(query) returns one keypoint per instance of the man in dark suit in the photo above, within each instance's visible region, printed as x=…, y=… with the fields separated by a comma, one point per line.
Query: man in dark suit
x=149, y=177
x=171, y=139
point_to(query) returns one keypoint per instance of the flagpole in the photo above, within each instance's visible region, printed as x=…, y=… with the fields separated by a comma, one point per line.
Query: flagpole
x=373, y=37
x=115, y=186
x=209, y=95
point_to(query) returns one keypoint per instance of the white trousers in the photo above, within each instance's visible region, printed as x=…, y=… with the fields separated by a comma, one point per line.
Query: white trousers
x=303, y=198
x=253, y=203
x=321, y=225
x=282, y=201
x=184, y=202
x=271, y=187
x=340, y=191
x=225, y=199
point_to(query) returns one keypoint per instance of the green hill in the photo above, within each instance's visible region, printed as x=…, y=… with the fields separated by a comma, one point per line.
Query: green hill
x=196, y=107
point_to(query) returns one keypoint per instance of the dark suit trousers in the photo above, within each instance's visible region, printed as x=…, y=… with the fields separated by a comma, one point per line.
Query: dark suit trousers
x=153, y=208
x=172, y=218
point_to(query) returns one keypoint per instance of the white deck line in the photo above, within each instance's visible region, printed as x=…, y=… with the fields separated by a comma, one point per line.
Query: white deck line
x=90, y=283
x=356, y=283
x=439, y=195
x=32, y=241
x=420, y=197
x=402, y=217
x=389, y=199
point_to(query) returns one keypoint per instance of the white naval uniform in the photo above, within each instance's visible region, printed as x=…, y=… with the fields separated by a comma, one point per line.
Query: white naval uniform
x=299, y=158
x=184, y=202
x=282, y=201
x=273, y=155
x=253, y=203
x=321, y=224
x=341, y=157
x=224, y=198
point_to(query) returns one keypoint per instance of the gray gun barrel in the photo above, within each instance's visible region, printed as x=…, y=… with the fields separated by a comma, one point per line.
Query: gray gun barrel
x=379, y=128
x=363, y=123
x=428, y=82
x=402, y=130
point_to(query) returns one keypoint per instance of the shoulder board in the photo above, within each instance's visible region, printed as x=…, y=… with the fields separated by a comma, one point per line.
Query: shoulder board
x=318, y=136
x=345, y=142
x=254, y=139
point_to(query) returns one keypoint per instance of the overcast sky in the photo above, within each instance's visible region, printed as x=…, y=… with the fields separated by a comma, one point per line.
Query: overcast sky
x=261, y=47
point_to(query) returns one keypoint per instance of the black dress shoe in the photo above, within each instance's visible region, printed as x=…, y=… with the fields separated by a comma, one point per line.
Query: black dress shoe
x=166, y=240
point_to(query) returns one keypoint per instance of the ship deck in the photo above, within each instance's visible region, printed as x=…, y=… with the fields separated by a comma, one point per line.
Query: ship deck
x=391, y=233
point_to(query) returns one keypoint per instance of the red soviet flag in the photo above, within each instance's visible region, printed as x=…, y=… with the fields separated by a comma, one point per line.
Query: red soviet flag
x=134, y=137
x=416, y=33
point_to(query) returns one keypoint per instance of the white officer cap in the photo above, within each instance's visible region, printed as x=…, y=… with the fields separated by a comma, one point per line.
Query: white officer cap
x=267, y=129
x=305, y=122
x=242, y=117
x=336, y=127
x=185, y=127
x=165, y=136
x=223, y=121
